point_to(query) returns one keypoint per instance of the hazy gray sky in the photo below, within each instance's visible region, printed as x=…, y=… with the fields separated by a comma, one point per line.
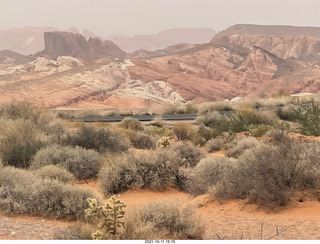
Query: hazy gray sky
x=131, y=17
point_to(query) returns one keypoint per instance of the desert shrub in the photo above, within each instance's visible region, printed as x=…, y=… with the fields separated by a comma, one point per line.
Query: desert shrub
x=278, y=136
x=82, y=163
x=186, y=155
x=41, y=118
x=129, y=171
x=268, y=175
x=54, y=172
x=215, y=120
x=184, y=131
x=242, y=144
x=159, y=131
x=308, y=120
x=22, y=192
x=131, y=123
x=208, y=172
x=19, y=141
x=268, y=117
x=157, y=121
x=243, y=119
x=286, y=111
x=101, y=140
x=166, y=216
x=140, y=140
x=206, y=133
x=219, y=143
x=259, y=130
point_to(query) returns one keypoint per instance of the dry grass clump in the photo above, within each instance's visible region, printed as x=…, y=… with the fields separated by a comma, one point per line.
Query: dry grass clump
x=102, y=140
x=82, y=163
x=54, y=172
x=22, y=192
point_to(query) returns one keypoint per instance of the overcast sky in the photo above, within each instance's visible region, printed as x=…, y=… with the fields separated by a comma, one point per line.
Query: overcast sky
x=131, y=17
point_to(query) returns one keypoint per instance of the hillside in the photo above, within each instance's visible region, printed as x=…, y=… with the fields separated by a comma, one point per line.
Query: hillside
x=163, y=39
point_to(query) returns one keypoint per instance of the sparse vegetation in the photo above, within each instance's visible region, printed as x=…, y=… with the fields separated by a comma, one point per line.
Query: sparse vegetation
x=54, y=172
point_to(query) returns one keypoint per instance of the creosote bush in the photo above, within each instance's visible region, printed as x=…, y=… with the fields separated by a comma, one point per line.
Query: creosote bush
x=82, y=163
x=23, y=192
x=101, y=140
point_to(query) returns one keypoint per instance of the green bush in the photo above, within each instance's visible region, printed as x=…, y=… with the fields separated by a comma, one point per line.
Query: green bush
x=82, y=163
x=308, y=120
x=131, y=123
x=101, y=140
x=55, y=173
x=22, y=192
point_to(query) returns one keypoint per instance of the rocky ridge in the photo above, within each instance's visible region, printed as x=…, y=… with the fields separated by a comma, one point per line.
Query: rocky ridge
x=59, y=43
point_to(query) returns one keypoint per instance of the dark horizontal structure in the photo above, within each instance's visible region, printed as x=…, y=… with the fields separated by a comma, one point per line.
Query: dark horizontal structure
x=172, y=117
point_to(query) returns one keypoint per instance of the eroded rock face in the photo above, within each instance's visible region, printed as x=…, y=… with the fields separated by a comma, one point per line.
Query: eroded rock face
x=282, y=41
x=59, y=43
x=259, y=65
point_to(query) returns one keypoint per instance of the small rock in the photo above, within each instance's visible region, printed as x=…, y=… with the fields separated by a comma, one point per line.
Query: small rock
x=43, y=221
x=221, y=209
x=13, y=233
x=6, y=219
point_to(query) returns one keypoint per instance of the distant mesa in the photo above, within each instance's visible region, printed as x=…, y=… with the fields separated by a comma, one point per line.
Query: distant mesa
x=10, y=57
x=59, y=43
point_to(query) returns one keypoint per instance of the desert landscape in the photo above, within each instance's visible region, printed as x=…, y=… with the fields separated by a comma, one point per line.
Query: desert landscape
x=243, y=164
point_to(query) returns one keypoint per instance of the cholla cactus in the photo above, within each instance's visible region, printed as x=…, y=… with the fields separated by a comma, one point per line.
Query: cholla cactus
x=163, y=142
x=110, y=215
